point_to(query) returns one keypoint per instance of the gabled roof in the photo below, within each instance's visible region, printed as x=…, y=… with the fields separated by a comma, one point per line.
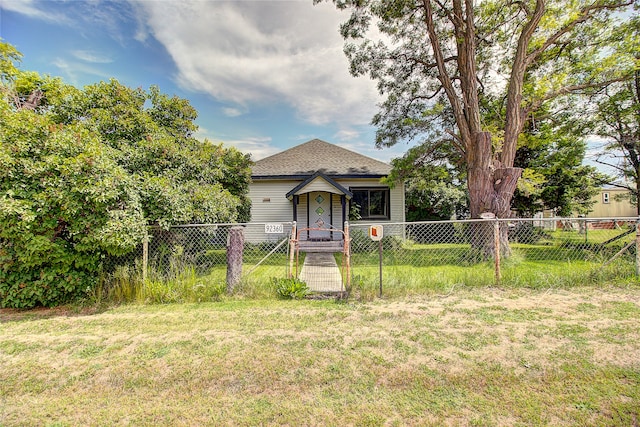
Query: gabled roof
x=319, y=156
x=319, y=175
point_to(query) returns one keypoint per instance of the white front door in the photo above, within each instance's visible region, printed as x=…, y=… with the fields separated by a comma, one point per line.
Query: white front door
x=320, y=215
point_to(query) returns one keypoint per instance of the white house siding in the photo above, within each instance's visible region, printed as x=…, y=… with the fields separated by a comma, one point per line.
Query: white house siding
x=302, y=211
x=268, y=201
x=336, y=211
x=318, y=184
x=397, y=203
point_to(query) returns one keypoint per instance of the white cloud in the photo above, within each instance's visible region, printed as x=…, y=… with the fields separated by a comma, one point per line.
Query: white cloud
x=31, y=9
x=72, y=71
x=347, y=135
x=264, y=52
x=259, y=148
x=89, y=56
x=232, y=112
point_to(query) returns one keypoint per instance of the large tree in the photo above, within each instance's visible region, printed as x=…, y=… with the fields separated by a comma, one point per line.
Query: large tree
x=180, y=179
x=64, y=204
x=430, y=56
x=617, y=116
x=84, y=171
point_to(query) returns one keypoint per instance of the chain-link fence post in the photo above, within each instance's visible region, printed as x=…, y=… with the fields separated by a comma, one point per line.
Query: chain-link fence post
x=347, y=254
x=638, y=248
x=145, y=258
x=496, y=249
x=235, y=248
x=292, y=247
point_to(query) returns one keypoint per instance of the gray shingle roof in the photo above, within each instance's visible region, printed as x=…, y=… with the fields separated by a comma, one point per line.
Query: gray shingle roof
x=319, y=156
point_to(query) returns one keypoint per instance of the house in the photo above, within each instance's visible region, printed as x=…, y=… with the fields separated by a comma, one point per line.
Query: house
x=317, y=184
x=610, y=208
x=611, y=203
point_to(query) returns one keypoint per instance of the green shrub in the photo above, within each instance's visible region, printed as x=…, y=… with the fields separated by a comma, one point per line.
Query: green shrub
x=64, y=205
x=291, y=288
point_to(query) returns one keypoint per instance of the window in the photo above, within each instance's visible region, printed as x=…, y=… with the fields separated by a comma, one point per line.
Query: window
x=370, y=203
x=605, y=197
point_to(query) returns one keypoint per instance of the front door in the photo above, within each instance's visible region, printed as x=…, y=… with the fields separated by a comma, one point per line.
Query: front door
x=320, y=215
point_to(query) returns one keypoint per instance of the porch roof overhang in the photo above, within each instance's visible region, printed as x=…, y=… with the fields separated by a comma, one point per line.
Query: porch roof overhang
x=302, y=187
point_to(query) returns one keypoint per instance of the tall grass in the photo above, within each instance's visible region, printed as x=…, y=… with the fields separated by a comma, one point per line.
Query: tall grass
x=407, y=269
x=126, y=285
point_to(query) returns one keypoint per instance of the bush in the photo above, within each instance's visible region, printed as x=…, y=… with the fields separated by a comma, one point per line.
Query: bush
x=64, y=205
x=291, y=288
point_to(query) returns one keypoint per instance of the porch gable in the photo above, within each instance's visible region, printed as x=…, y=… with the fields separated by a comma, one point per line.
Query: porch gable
x=319, y=182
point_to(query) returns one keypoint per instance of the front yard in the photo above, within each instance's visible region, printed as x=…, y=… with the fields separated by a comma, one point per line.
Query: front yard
x=481, y=356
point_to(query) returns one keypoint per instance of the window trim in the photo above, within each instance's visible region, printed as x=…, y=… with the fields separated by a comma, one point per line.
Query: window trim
x=387, y=194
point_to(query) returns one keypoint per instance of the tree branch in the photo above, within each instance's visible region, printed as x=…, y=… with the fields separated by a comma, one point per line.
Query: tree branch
x=570, y=89
x=514, y=120
x=586, y=13
x=444, y=78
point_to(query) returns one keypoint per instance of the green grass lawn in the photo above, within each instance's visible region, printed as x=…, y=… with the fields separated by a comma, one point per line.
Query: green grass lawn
x=471, y=356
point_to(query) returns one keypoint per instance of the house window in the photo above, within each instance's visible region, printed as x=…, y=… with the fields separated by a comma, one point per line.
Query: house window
x=371, y=203
x=605, y=197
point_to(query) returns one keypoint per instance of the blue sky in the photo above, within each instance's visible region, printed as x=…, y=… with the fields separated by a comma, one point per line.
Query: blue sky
x=263, y=75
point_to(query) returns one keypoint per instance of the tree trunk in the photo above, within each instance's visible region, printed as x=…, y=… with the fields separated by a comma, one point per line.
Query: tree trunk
x=491, y=187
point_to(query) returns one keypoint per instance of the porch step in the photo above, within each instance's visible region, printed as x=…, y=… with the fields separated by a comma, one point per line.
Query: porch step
x=320, y=246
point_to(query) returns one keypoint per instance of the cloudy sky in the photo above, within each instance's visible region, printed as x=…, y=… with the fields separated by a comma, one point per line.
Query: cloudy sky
x=263, y=75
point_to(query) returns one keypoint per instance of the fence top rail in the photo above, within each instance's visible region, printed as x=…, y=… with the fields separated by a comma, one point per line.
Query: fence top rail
x=367, y=224
x=492, y=220
x=559, y=218
x=224, y=224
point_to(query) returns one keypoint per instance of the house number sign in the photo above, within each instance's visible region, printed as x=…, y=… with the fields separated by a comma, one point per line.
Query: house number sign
x=273, y=228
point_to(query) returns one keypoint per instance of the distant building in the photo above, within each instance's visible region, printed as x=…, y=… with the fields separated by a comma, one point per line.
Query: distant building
x=608, y=204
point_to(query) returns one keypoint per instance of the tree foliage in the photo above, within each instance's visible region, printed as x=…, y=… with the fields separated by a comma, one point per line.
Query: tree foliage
x=619, y=122
x=434, y=189
x=64, y=202
x=554, y=176
x=436, y=62
x=84, y=171
x=618, y=118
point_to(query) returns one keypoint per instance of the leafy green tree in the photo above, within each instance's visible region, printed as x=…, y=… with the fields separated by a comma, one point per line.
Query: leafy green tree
x=180, y=179
x=64, y=204
x=434, y=189
x=617, y=116
x=84, y=171
x=432, y=56
x=555, y=177
x=9, y=55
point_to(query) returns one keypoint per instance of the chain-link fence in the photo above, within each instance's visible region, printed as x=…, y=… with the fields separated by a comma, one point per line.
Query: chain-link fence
x=411, y=257
x=197, y=254
x=520, y=252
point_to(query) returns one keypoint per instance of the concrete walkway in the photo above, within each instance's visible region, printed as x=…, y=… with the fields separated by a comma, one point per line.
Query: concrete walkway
x=321, y=272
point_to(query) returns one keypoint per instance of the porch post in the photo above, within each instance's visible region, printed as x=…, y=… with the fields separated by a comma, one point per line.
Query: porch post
x=343, y=202
x=295, y=207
